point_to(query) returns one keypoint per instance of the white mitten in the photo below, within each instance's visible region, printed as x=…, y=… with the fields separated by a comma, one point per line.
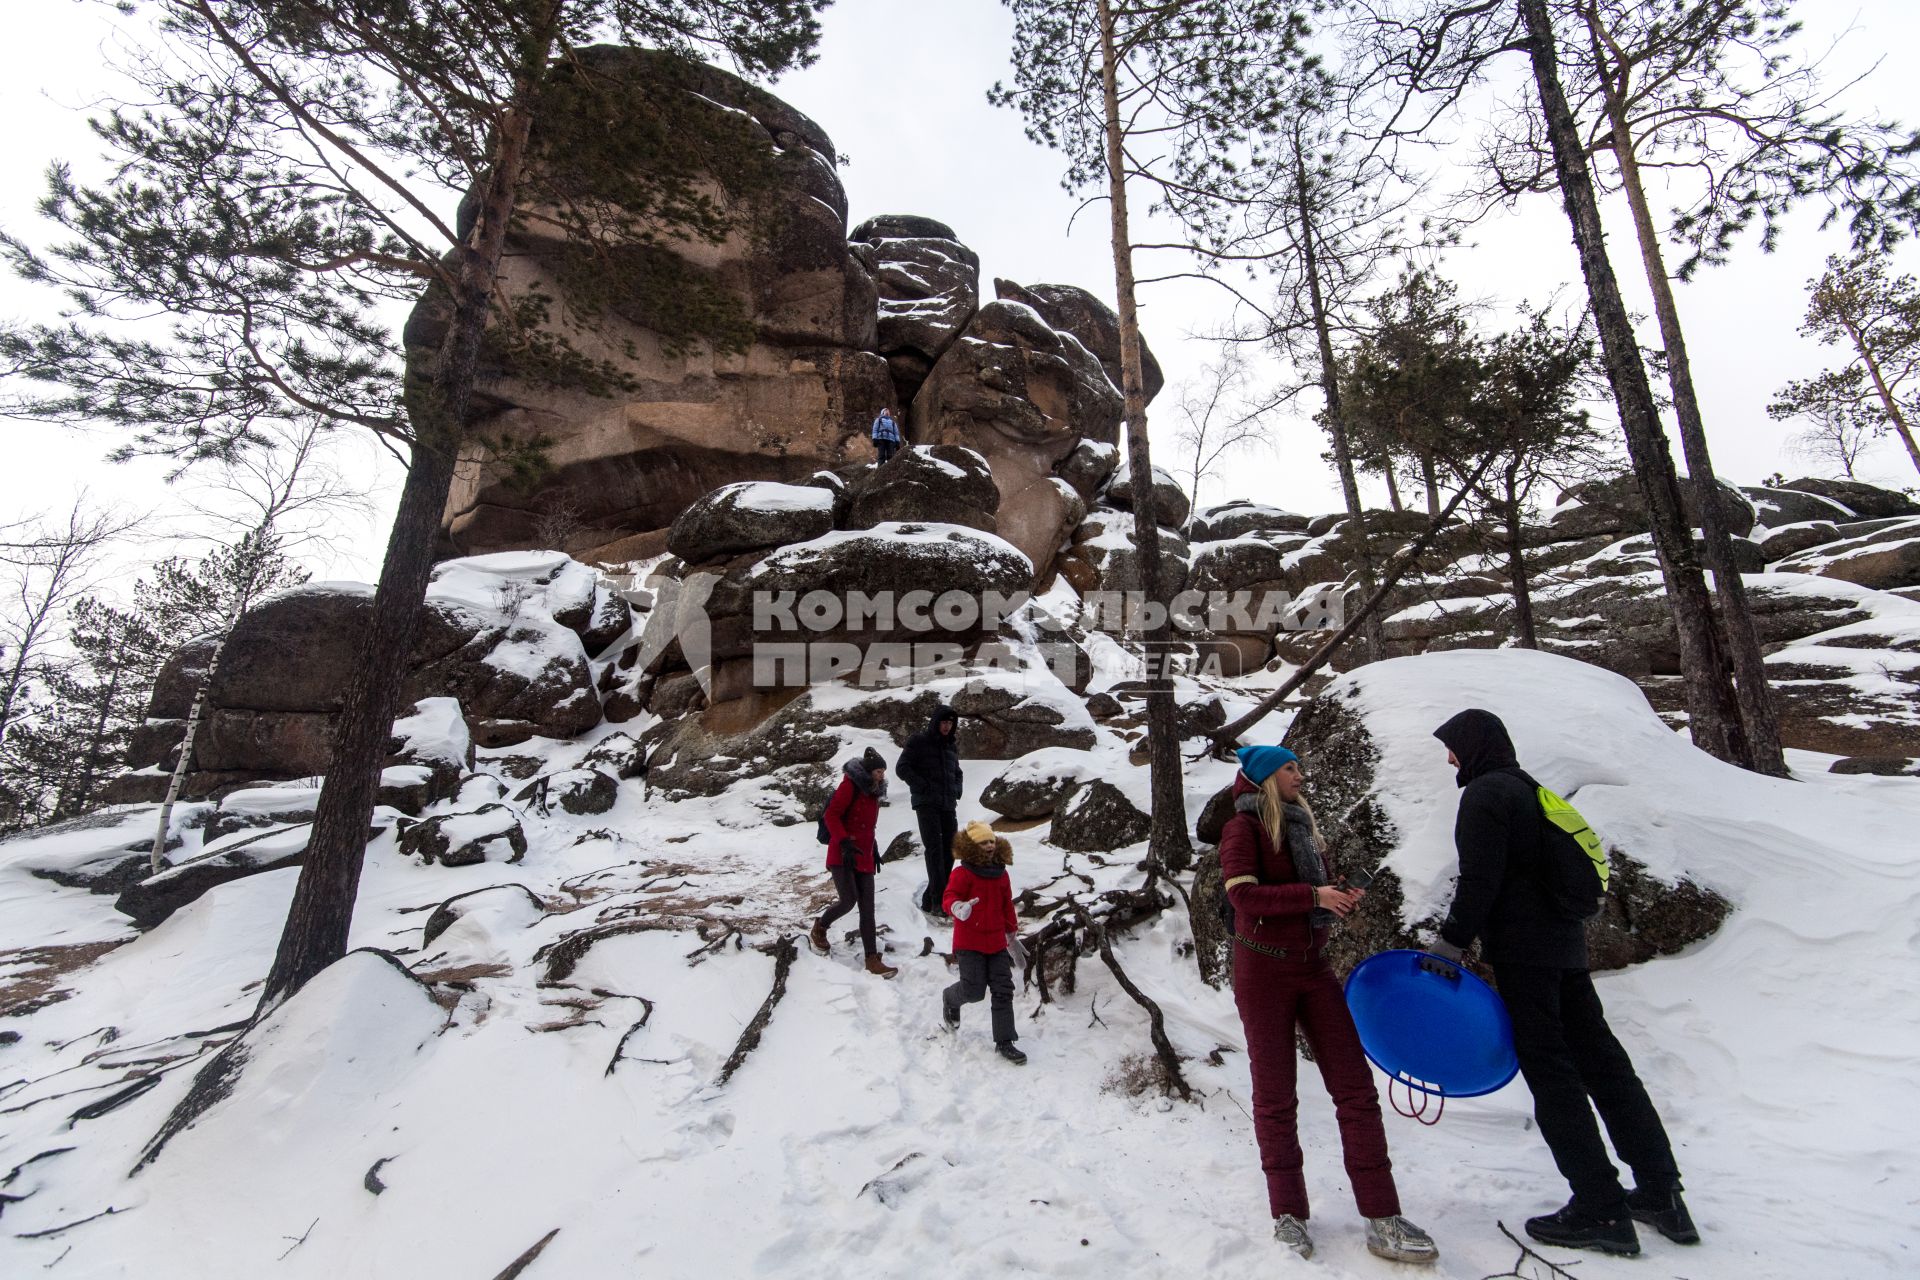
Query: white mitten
x=1016, y=952
x=962, y=910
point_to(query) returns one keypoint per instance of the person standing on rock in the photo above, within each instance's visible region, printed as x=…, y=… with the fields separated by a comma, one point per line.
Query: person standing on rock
x=1568, y=1055
x=930, y=766
x=979, y=897
x=1285, y=902
x=851, y=816
x=886, y=435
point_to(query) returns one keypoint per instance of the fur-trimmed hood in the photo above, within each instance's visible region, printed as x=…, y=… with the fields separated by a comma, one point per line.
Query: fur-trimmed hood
x=975, y=855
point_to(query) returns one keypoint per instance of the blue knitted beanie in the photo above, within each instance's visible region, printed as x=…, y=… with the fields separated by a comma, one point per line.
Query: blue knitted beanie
x=1259, y=763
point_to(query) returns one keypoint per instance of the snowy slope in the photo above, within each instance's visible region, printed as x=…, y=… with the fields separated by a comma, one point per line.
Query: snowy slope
x=861, y=1139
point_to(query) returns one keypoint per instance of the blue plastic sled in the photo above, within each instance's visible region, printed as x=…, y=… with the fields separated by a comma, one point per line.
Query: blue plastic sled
x=1441, y=1035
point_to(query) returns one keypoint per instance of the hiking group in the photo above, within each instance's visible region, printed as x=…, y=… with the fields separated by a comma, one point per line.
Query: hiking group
x=1527, y=883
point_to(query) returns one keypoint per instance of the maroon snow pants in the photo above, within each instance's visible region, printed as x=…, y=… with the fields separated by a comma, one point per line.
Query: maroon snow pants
x=1274, y=997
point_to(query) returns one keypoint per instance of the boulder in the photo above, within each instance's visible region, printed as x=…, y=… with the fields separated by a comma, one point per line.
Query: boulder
x=1616, y=506
x=1868, y=502
x=797, y=393
x=236, y=857
x=749, y=516
x=1073, y=310
x=1851, y=690
x=180, y=678
x=1878, y=766
x=1023, y=395
x=496, y=904
x=1098, y=818
x=1101, y=556
x=1241, y=517
x=1088, y=467
x=1777, y=543
x=617, y=754
x=935, y=484
x=1171, y=506
x=577, y=791
x=1035, y=785
x=928, y=285
x=434, y=738
x=463, y=839
x=1212, y=822
x=1777, y=507
x=1884, y=559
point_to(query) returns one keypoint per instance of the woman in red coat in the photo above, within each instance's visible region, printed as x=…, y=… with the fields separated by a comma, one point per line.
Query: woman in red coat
x=979, y=897
x=851, y=816
x=1284, y=903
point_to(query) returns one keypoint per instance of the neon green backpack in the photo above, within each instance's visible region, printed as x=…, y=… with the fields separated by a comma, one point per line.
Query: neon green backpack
x=1576, y=867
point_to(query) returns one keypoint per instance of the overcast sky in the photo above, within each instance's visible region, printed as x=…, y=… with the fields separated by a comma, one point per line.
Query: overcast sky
x=900, y=86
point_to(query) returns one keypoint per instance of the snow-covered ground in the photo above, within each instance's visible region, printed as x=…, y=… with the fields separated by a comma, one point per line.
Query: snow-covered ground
x=859, y=1138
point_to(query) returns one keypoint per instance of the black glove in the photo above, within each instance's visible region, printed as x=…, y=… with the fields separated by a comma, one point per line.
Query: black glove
x=849, y=850
x=1442, y=958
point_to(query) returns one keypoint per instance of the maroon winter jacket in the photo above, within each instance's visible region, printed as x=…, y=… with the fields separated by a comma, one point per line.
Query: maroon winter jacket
x=992, y=919
x=852, y=815
x=1272, y=907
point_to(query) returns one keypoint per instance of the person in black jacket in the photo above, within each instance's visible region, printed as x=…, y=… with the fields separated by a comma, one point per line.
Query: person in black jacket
x=1568, y=1054
x=930, y=766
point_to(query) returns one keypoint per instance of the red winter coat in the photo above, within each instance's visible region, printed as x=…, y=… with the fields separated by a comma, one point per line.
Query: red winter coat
x=852, y=815
x=1272, y=907
x=992, y=920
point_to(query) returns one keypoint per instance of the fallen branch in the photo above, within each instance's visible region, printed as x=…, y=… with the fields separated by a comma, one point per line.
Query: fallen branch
x=1225, y=736
x=525, y=1260
x=621, y=1047
x=783, y=956
x=1526, y=1255
x=79, y=1222
x=302, y=1239
x=1156, y=1020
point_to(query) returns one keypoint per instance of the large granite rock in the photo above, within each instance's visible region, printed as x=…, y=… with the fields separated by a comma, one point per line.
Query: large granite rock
x=1102, y=555
x=1240, y=517
x=1171, y=506
x=929, y=287
x=928, y=483
x=1073, y=310
x=1616, y=507
x=1022, y=394
x=1867, y=501
x=1886, y=558
x=799, y=395
x=747, y=517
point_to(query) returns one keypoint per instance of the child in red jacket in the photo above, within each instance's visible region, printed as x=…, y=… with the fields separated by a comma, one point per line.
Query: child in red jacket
x=979, y=897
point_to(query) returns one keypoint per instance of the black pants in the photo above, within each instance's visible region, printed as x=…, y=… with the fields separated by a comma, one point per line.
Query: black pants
x=855, y=888
x=885, y=449
x=1568, y=1055
x=980, y=973
x=938, y=825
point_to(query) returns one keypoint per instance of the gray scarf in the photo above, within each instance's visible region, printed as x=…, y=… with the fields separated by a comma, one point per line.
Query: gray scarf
x=1308, y=865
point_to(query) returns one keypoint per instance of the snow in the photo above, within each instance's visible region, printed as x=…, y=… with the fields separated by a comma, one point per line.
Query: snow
x=861, y=1138
x=970, y=544
x=435, y=731
x=769, y=496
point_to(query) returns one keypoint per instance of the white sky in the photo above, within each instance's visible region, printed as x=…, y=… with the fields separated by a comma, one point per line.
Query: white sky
x=900, y=86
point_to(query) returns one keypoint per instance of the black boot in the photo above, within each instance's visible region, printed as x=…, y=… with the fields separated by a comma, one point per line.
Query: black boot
x=1665, y=1212
x=1574, y=1227
x=952, y=1015
x=1011, y=1052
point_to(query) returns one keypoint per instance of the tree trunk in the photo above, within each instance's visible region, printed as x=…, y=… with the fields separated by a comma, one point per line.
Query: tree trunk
x=1887, y=400
x=1758, y=721
x=1168, y=844
x=1431, y=480
x=1373, y=639
x=1712, y=709
x=322, y=910
x=1393, y=486
x=1523, y=624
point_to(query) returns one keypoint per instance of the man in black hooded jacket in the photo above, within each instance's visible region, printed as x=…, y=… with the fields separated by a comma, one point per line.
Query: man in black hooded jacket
x=1567, y=1052
x=930, y=766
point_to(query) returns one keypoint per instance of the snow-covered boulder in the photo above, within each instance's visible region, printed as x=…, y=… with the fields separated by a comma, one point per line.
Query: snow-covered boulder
x=1171, y=505
x=933, y=483
x=1091, y=322
x=1034, y=785
x=1883, y=558
x=481, y=917
x=1102, y=556
x=578, y=791
x=1240, y=517
x=617, y=754
x=1385, y=796
x=1778, y=507
x=221, y=861
x=105, y=851
x=1098, y=818
x=929, y=287
x=1864, y=501
x=1788, y=539
x=749, y=516
x=1088, y=467
x=490, y=833
x=433, y=738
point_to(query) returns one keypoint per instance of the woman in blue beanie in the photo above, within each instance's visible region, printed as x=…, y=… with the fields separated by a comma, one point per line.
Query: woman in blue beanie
x=1285, y=900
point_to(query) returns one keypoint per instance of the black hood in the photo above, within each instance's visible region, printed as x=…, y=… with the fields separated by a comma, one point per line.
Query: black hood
x=944, y=712
x=1479, y=741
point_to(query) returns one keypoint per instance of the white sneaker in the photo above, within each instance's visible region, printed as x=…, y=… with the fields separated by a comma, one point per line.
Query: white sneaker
x=1292, y=1232
x=1398, y=1240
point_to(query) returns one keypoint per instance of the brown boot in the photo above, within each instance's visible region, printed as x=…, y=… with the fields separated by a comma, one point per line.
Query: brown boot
x=880, y=968
x=819, y=937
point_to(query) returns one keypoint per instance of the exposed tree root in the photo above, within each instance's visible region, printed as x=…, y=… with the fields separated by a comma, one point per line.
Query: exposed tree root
x=1156, y=1020
x=621, y=1048
x=526, y=1259
x=784, y=953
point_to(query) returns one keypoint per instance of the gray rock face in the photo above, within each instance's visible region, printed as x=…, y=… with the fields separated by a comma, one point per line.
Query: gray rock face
x=749, y=516
x=489, y=833
x=1073, y=310
x=1102, y=555
x=234, y=858
x=1777, y=507
x=1035, y=785
x=1887, y=558
x=938, y=483
x=1088, y=468
x=619, y=755
x=1780, y=542
x=929, y=287
x=1098, y=818
x=578, y=791
x=1023, y=395
x=1616, y=507
x=448, y=913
